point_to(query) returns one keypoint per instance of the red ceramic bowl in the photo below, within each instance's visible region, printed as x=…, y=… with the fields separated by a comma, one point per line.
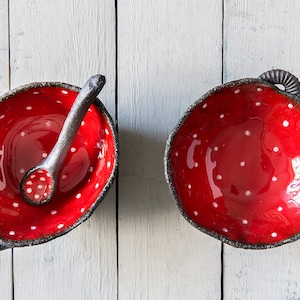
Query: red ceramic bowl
x=31, y=118
x=233, y=162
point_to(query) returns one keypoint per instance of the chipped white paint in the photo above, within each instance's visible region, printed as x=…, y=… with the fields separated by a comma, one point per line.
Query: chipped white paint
x=169, y=54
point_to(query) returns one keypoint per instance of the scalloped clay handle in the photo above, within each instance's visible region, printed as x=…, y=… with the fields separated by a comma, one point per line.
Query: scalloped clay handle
x=290, y=82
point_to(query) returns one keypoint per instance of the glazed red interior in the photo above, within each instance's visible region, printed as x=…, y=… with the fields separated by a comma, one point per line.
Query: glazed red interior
x=30, y=123
x=235, y=164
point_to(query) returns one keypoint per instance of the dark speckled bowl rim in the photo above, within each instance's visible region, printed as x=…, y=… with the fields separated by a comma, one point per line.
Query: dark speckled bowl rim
x=6, y=243
x=168, y=172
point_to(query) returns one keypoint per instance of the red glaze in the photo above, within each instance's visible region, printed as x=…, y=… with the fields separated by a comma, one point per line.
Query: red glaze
x=30, y=123
x=235, y=164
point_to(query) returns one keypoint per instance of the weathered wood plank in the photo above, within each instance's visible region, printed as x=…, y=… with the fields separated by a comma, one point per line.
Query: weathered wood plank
x=68, y=41
x=6, y=255
x=169, y=55
x=261, y=35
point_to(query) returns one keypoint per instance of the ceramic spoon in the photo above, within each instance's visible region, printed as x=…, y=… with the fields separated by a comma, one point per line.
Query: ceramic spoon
x=39, y=183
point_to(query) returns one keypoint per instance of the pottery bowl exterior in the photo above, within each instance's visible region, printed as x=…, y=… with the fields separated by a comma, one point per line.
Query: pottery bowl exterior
x=31, y=118
x=232, y=163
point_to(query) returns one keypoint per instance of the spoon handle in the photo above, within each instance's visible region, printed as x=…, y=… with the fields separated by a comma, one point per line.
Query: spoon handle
x=84, y=99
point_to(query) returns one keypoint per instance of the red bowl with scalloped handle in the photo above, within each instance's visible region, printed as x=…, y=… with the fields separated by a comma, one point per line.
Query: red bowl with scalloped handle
x=31, y=118
x=233, y=162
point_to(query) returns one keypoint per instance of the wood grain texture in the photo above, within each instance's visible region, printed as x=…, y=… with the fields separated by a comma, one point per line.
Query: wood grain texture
x=6, y=255
x=261, y=35
x=67, y=41
x=169, y=55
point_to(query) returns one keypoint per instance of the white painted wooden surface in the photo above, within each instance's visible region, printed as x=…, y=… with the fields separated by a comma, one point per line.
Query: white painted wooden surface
x=261, y=35
x=163, y=65
x=67, y=41
x=166, y=55
x=5, y=256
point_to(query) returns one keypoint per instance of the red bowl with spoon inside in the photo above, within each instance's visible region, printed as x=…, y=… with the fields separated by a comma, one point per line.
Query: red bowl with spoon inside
x=233, y=162
x=31, y=118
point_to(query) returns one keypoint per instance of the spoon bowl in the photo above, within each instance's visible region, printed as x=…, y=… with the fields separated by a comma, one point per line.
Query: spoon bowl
x=39, y=184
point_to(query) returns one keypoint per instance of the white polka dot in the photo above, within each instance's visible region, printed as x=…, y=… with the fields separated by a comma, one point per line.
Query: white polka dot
x=215, y=204
x=44, y=155
x=53, y=212
x=274, y=178
x=257, y=103
x=22, y=171
x=59, y=226
x=196, y=164
x=78, y=196
x=219, y=177
x=204, y=105
x=225, y=229
x=91, y=169
x=36, y=93
x=106, y=131
x=73, y=149
x=64, y=92
x=33, y=227
x=247, y=132
x=48, y=123
x=195, y=213
x=259, y=89
x=237, y=91
x=195, y=135
x=11, y=232
x=97, y=185
x=22, y=133
x=29, y=190
x=275, y=149
x=189, y=186
x=285, y=123
x=216, y=148
x=28, y=107
x=274, y=234
x=82, y=123
x=247, y=193
x=176, y=153
x=290, y=105
x=37, y=196
x=82, y=210
x=64, y=176
x=245, y=222
x=58, y=101
x=222, y=116
x=42, y=179
x=2, y=117
x=15, y=204
x=242, y=163
x=108, y=164
x=279, y=208
x=40, y=186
